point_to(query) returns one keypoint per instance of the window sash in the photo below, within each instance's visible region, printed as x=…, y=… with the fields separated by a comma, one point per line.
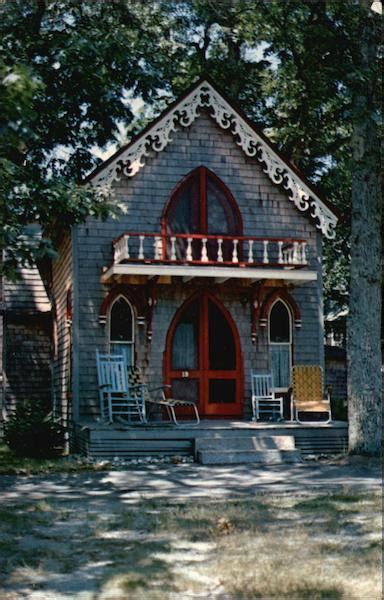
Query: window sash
x=124, y=348
x=280, y=364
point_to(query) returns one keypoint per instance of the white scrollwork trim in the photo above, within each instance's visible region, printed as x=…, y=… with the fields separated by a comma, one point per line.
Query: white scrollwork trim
x=184, y=114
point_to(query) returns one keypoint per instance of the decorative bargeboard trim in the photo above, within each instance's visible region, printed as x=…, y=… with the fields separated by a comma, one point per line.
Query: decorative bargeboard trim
x=132, y=159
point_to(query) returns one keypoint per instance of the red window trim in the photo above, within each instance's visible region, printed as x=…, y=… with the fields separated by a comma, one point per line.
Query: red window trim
x=202, y=173
x=280, y=294
x=118, y=290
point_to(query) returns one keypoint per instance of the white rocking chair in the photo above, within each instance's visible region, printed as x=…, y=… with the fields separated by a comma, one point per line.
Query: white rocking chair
x=117, y=400
x=264, y=401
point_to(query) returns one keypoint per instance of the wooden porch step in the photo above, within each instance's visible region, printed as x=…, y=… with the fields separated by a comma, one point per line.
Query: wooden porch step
x=106, y=441
x=132, y=448
x=238, y=450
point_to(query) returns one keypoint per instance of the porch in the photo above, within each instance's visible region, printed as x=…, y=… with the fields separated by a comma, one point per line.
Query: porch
x=104, y=441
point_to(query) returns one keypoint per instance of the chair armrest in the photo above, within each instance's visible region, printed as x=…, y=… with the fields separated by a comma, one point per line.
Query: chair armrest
x=160, y=387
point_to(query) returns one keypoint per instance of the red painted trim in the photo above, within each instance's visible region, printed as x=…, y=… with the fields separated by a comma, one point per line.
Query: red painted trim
x=202, y=173
x=117, y=290
x=242, y=238
x=203, y=373
x=280, y=294
x=68, y=307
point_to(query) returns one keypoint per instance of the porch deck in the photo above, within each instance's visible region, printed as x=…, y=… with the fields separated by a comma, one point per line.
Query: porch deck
x=100, y=440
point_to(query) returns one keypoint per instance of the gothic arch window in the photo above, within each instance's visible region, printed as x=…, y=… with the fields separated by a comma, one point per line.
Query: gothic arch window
x=122, y=329
x=202, y=204
x=280, y=343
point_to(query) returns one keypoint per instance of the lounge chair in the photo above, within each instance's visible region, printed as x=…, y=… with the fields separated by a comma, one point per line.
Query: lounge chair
x=157, y=396
x=307, y=392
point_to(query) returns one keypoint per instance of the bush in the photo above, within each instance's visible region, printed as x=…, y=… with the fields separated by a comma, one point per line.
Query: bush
x=32, y=432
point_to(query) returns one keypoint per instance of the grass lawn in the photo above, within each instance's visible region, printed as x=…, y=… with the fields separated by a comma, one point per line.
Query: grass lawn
x=318, y=546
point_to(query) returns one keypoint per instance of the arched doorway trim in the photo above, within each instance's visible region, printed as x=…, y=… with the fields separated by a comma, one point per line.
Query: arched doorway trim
x=214, y=380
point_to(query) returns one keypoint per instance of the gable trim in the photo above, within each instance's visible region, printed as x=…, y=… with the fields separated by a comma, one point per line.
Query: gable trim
x=129, y=160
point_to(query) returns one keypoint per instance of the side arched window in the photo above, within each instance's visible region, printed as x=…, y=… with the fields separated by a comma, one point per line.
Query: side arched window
x=280, y=344
x=121, y=329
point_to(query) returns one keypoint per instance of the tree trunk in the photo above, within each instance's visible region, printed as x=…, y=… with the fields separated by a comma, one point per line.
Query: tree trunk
x=363, y=329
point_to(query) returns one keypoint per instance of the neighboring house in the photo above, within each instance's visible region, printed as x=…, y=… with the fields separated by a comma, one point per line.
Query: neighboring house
x=25, y=341
x=212, y=267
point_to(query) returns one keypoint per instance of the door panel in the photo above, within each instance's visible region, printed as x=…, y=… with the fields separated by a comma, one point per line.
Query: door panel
x=203, y=359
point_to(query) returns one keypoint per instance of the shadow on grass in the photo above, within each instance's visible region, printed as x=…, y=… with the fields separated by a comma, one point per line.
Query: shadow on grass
x=91, y=533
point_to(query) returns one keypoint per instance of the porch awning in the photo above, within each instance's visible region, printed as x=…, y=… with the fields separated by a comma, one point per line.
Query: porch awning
x=218, y=274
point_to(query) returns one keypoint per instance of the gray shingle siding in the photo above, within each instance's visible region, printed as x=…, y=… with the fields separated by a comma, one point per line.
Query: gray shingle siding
x=26, y=341
x=265, y=210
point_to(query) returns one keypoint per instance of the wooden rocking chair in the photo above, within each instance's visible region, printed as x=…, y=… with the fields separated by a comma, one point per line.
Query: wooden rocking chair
x=117, y=400
x=264, y=402
x=135, y=382
x=307, y=392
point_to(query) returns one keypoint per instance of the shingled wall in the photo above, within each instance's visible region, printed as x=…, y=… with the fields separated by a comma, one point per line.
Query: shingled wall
x=26, y=341
x=266, y=211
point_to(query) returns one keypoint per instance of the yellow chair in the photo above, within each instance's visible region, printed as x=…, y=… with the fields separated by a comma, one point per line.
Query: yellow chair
x=307, y=392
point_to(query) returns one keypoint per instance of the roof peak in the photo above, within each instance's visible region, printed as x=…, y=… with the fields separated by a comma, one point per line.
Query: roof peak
x=182, y=113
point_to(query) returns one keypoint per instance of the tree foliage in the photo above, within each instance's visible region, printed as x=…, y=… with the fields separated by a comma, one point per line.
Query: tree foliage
x=69, y=70
x=65, y=70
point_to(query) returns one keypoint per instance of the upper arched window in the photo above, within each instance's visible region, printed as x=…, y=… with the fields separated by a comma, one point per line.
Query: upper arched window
x=121, y=329
x=280, y=343
x=202, y=204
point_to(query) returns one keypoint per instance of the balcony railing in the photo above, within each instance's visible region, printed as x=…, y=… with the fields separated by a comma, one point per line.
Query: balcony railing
x=198, y=249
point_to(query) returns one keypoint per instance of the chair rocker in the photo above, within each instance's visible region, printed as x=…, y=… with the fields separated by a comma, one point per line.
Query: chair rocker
x=117, y=400
x=264, y=401
x=135, y=381
x=307, y=392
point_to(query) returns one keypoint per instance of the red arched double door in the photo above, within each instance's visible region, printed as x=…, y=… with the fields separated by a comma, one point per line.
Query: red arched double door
x=203, y=357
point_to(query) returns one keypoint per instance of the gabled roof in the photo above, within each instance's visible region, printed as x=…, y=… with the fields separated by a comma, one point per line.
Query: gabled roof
x=182, y=113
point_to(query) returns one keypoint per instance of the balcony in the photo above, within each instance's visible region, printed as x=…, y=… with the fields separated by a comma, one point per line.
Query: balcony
x=198, y=255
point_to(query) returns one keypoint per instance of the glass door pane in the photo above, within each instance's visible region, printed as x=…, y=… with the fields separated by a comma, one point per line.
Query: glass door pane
x=222, y=351
x=185, y=339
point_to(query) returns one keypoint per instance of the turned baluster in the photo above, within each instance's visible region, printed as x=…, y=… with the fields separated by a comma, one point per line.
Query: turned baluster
x=304, y=253
x=295, y=255
x=125, y=246
x=235, y=258
x=141, y=247
x=204, y=253
x=158, y=248
x=220, y=250
x=250, y=251
x=280, y=253
x=189, y=256
x=173, y=248
x=265, y=252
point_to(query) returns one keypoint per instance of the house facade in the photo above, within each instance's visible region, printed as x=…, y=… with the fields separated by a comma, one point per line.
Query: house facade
x=210, y=267
x=25, y=341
